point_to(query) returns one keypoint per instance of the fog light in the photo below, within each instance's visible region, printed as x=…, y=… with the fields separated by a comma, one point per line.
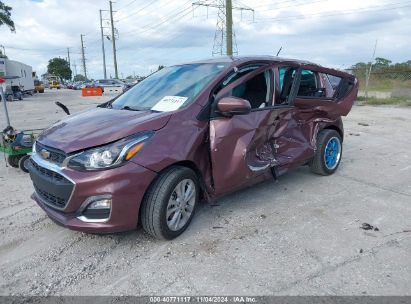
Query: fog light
x=101, y=204
x=96, y=209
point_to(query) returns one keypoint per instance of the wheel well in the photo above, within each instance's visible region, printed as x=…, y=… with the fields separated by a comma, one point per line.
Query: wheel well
x=335, y=128
x=188, y=164
x=193, y=166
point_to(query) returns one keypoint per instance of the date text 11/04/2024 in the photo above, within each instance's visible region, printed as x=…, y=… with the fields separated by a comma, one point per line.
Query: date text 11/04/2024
x=203, y=299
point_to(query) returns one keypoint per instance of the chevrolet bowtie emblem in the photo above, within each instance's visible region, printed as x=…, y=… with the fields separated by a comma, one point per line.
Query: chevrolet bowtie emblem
x=45, y=154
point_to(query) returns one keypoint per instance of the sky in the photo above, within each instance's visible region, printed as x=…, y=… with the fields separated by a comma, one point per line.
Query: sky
x=150, y=33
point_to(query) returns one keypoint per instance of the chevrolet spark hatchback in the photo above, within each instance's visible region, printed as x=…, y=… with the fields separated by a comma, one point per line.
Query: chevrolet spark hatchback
x=186, y=133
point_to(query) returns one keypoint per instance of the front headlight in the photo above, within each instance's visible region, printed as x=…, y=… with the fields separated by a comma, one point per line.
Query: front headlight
x=110, y=155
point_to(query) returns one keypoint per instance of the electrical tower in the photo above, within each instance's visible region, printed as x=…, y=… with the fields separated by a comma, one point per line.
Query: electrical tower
x=224, y=38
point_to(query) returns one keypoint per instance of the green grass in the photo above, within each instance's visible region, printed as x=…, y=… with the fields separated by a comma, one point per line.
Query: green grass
x=385, y=85
x=372, y=101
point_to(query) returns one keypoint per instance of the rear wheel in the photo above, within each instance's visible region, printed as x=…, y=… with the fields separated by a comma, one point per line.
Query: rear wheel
x=328, y=153
x=170, y=202
x=24, y=163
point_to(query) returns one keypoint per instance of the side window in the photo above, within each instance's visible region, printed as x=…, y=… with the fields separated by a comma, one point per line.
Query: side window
x=309, y=85
x=256, y=90
x=285, y=83
x=237, y=74
x=332, y=83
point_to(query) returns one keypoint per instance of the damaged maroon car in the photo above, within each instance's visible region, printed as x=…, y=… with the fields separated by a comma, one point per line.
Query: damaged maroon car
x=186, y=133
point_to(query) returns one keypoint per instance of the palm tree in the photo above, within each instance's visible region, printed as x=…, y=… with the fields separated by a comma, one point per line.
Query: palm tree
x=5, y=16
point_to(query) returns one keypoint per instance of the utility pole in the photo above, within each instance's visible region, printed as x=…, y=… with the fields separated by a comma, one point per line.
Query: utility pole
x=113, y=39
x=368, y=71
x=4, y=50
x=224, y=38
x=102, y=45
x=83, y=58
x=68, y=58
x=75, y=69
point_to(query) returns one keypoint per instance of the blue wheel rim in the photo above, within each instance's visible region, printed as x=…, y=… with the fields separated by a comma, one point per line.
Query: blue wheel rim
x=332, y=153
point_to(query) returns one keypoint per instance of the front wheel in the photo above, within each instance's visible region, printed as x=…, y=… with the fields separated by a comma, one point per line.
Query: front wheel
x=328, y=153
x=170, y=202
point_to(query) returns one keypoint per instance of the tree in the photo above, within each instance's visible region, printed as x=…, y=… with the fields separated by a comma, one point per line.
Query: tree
x=160, y=67
x=5, y=16
x=382, y=62
x=59, y=67
x=79, y=77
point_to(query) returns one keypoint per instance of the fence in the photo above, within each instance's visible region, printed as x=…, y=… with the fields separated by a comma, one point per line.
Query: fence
x=397, y=82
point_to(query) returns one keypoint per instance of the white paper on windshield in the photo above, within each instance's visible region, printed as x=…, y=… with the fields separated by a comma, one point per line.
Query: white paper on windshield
x=169, y=103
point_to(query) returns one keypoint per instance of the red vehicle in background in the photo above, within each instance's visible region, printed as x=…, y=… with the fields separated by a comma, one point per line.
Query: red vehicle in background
x=189, y=132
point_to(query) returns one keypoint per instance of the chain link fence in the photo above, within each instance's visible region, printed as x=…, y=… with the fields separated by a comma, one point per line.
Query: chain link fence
x=385, y=83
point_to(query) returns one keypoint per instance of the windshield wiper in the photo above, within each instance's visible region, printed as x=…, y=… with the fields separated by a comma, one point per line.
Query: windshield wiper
x=132, y=109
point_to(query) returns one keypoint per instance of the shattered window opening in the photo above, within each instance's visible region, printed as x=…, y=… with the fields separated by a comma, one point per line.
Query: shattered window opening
x=256, y=90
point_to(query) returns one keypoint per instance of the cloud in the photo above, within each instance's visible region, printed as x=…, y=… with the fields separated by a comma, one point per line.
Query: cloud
x=330, y=32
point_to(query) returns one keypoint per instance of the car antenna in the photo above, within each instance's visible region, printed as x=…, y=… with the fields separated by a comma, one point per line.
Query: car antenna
x=65, y=109
x=278, y=53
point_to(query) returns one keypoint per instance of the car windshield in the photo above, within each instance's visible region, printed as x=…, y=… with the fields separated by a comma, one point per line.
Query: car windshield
x=170, y=88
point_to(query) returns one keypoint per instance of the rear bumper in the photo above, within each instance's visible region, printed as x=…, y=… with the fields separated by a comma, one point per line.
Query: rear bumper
x=125, y=186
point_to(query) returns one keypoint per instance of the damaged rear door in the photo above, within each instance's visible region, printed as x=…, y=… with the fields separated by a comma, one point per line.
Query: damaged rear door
x=331, y=102
x=242, y=147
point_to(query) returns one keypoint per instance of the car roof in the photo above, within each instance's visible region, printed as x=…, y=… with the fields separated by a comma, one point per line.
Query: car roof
x=239, y=60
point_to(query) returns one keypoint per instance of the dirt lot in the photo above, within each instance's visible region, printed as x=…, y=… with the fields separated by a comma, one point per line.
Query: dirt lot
x=298, y=236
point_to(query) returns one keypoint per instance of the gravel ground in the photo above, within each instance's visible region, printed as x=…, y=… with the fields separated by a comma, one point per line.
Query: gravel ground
x=297, y=236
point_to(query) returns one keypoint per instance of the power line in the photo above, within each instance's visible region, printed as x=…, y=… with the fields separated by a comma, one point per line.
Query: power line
x=169, y=19
x=36, y=50
x=337, y=13
x=139, y=10
x=126, y=5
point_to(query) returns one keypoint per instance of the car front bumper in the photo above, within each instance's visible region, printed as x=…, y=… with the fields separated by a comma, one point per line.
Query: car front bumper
x=64, y=194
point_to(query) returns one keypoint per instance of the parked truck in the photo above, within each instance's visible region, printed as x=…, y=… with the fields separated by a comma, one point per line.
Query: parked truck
x=22, y=74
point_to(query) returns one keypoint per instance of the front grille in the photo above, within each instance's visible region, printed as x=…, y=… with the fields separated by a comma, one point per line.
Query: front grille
x=50, y=198
x=52, y=187
x=56, y=156
x=48, y=173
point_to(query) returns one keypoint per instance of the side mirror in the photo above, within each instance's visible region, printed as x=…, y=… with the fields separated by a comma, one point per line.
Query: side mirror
x=229, y=106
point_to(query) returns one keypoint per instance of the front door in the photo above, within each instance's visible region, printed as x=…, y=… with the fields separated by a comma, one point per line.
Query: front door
x=243, y=146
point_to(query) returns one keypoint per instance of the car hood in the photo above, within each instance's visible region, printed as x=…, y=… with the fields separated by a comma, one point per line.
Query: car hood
x=100, y=126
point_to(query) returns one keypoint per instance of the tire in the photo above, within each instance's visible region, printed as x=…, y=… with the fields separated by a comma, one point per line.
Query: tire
x=328, y=153
x=23, y=163
x=9, y=98
x=13, y=160
x=162, y=198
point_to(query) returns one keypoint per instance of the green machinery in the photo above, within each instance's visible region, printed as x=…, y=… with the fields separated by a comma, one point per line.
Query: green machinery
x=16, y=145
